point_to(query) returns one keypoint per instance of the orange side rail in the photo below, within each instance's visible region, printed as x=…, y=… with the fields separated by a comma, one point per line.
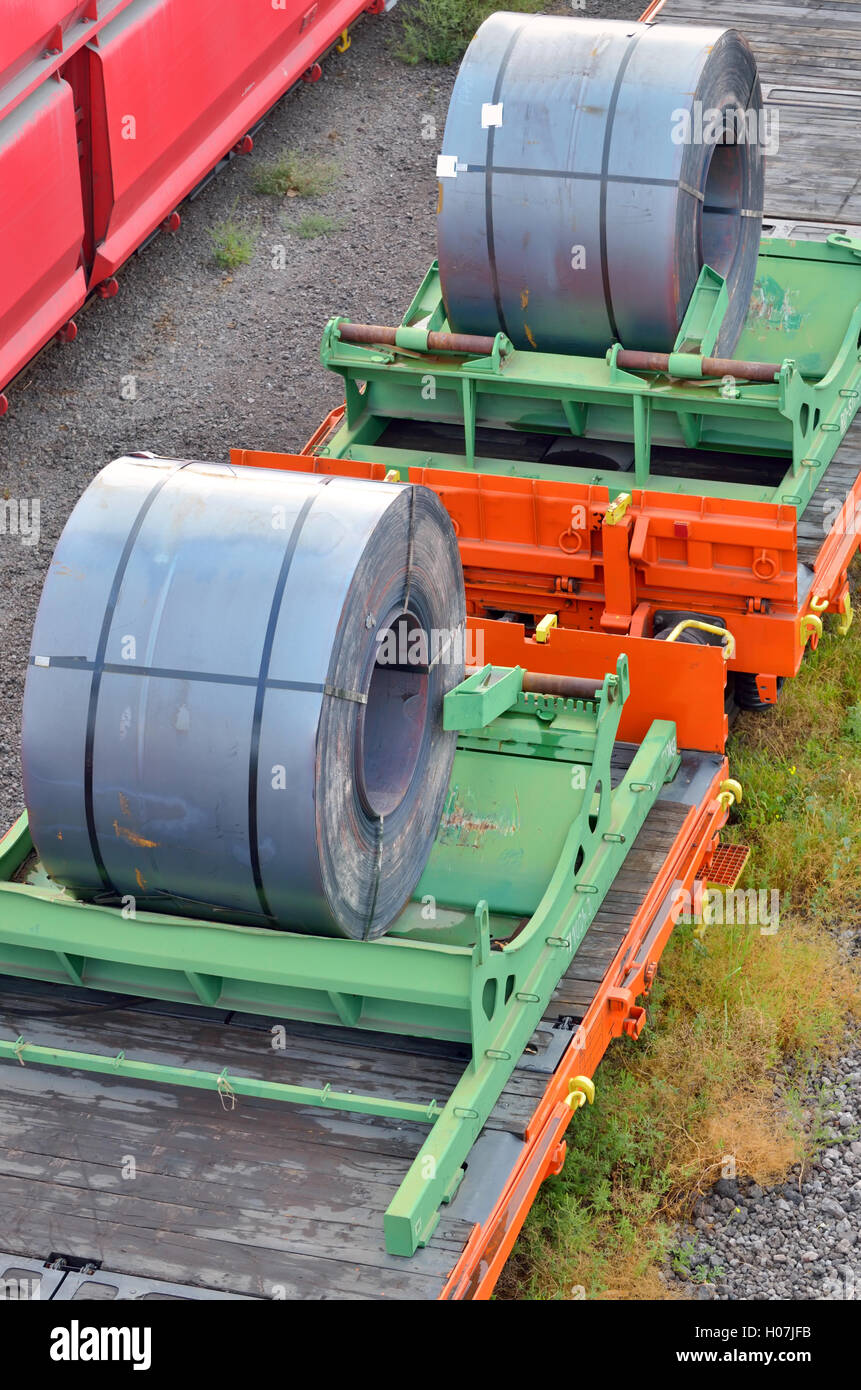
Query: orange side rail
x=830, y=577
x=328, y=427
x=481, y=1262
x=651, y=10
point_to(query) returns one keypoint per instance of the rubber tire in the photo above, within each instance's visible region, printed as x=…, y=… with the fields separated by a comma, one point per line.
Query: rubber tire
x=693, y=636
x=747, y=694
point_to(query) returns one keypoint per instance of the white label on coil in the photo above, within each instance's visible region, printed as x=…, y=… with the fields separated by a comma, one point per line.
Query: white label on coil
x=41, y=661
x=491, y=115
x=446, y=166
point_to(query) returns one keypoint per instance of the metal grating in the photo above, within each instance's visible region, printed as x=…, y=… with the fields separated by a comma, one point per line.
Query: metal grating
x=726, y=867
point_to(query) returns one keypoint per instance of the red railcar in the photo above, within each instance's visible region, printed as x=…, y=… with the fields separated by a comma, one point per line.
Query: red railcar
x=111, y=112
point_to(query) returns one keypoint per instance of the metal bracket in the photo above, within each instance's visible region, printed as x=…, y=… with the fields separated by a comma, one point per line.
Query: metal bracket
x=704, y=315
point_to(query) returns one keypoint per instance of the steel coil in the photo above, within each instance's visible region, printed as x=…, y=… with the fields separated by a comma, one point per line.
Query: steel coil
x=233, y=707
x=590, y=168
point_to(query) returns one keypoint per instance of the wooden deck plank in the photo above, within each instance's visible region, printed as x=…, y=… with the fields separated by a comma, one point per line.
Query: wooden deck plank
x=579, y=985
x=801, y=48
x=824, y=506
x=267, y=1198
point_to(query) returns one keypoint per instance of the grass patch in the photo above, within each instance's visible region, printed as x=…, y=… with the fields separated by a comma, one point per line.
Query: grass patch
x=315, y=225
x=801, y=770
x=295, y=175
x=232, y=245
x=727, y=1008
x=439, y=31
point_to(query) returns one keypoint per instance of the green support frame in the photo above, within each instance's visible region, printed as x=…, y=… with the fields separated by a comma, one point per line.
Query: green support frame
x=805, y=315
x=466, y=972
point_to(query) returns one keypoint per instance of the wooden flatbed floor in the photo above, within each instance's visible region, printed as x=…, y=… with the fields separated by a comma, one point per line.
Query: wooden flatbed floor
x=809, y=58
x=266, y=1200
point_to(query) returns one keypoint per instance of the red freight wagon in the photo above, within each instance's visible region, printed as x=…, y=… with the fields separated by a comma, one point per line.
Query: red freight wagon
x=111, y=112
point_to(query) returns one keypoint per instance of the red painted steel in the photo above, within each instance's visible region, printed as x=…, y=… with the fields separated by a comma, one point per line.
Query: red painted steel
x=178, y=85
x=110, y=115
x=42, y=281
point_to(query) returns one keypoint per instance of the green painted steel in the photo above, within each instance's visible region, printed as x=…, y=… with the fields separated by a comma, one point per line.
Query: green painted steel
x=804, y=314
x=704, y=315
x=226, y=1084
x=526, y=971
x=531, y=829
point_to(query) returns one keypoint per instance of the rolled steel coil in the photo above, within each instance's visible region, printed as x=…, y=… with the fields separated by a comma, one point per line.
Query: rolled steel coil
x=590, y=168
x=233, y=706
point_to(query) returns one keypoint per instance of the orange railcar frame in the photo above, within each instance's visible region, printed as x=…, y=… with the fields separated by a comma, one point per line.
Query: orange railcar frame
x=538, y=546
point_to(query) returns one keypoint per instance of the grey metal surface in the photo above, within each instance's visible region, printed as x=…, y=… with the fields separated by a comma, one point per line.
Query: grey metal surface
x=571, y=213
x=25, y=1280
x=205, y=728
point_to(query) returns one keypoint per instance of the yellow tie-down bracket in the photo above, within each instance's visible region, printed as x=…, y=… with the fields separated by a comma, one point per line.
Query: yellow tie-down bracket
x=819, y=606
x=581, y=1091
x=729, y=793
x=617, y=509
x=810, y=629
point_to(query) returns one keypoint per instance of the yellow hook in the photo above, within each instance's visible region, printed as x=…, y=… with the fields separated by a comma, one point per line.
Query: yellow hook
x=811, y=626
x=581, y=1089
x=729, y=793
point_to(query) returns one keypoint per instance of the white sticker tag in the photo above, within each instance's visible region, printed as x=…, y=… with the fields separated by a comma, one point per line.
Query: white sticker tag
x=491, y=115
x=41, y=661
x=446, y=166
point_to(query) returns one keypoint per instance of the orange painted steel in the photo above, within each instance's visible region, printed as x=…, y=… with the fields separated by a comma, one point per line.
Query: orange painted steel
x=690, y=679
x=651, y=10
x=536, y=546
x=832, y=563
x=612, y=1013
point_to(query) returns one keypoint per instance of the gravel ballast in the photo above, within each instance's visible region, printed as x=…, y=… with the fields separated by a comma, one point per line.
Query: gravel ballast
x=800, y=1239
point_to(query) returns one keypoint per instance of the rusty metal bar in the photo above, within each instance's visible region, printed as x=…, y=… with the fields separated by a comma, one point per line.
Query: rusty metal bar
x=568, y=687
x=373, y=334
x=709, y=366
